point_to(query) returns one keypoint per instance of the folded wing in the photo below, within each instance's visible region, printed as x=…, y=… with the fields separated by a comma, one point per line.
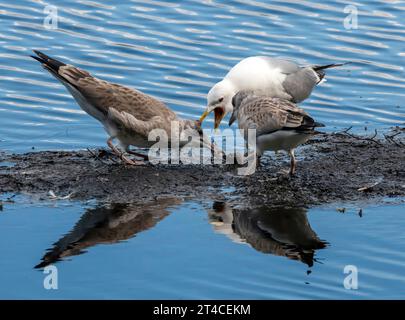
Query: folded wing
x=268, y=115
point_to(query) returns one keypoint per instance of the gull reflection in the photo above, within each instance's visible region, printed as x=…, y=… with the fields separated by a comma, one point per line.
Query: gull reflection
x=279, y=231
x=107, y=225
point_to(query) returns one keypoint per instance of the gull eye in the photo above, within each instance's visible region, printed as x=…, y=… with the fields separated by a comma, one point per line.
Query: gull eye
x=221, y=99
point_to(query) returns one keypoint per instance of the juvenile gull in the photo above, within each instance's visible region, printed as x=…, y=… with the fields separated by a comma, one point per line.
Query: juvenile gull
x=276, y=78
x=279, y=123
x=127, y=115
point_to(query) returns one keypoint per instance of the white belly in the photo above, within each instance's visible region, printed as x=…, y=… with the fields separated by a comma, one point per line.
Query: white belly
x=135, y=140
x=126, y=138
x=280, y=140
x=85, y=105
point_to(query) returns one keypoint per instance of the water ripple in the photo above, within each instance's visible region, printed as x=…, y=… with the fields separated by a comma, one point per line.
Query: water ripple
x=178, y=50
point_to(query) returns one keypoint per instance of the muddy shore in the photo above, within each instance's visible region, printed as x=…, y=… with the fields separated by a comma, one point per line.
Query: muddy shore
x=332, y=167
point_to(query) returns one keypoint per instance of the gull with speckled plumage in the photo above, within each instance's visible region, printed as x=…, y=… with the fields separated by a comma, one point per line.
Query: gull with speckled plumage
x=278, y=123
x=127, y=115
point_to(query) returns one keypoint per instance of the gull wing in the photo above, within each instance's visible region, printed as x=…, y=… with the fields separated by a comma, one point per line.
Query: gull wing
x=268, y=115
x=97, y=96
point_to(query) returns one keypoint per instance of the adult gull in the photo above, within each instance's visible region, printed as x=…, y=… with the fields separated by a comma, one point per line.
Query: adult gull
x=276, y=78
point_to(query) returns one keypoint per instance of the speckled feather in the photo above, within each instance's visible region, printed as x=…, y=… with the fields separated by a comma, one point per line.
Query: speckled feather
x=127, y=115
x=271, y=114
x=117, y=102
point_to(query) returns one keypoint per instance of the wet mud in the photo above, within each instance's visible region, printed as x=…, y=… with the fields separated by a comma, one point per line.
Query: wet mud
x=331, y=167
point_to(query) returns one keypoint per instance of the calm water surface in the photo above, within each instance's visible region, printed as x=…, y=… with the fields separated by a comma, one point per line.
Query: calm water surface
x=196, y=249
x=178, y=50
x=174, y=249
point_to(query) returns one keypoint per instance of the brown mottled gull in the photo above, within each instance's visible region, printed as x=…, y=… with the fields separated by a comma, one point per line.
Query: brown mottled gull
x=279, y=123
x=127, y=115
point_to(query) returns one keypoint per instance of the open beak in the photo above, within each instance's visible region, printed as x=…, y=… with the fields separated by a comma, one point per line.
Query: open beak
x=219, y=114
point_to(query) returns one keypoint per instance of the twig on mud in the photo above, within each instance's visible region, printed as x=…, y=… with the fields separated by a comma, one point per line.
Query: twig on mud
x=394, y=135
x=347, y=130
x=96, y=157
x=372, y=139
x=390, y=139
x=336, y=157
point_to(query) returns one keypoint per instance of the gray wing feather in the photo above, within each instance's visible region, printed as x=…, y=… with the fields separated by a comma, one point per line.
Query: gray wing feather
x=269, y=114
x=300, y=84
x=132, y=124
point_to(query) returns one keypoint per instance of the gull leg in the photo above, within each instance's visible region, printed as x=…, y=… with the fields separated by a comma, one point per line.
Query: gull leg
x=293, y=164
x=120, y=154
x=215, y=150
x=258, y=164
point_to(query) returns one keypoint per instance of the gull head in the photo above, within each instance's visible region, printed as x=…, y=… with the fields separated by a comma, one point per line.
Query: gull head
x=219, y=101
x=192, y=134
x=189, y=129
x=237, y=101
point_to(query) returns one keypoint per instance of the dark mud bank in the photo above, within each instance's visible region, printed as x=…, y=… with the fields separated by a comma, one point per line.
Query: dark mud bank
x=333, y=167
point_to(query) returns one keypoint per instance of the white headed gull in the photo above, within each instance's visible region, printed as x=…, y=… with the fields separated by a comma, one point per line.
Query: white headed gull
x=272, y=77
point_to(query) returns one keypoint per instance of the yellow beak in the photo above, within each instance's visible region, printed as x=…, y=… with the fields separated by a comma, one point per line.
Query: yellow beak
x=219, y=115
x=204, y=115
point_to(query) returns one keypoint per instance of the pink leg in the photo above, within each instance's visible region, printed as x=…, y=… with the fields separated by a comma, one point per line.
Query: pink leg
x=293, y=164
x=121, y=154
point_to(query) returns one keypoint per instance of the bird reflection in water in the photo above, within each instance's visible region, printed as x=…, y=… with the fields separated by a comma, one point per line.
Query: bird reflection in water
x=279, y=231
x=108, y=225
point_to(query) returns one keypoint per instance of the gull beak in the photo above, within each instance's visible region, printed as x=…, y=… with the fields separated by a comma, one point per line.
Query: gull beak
x=232, y=119
x=204, y=115
x=219, y=114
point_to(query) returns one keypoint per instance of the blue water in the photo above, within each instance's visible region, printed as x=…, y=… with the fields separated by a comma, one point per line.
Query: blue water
x=189, y=254
x=176, y=51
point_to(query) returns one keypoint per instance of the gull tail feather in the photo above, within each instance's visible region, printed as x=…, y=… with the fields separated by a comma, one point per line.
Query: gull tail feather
x=318, y=125
x=68, y=76
x=48, y=62
x=320, y=69
x=307, y=126
x=328, y=66
x=51, y=65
